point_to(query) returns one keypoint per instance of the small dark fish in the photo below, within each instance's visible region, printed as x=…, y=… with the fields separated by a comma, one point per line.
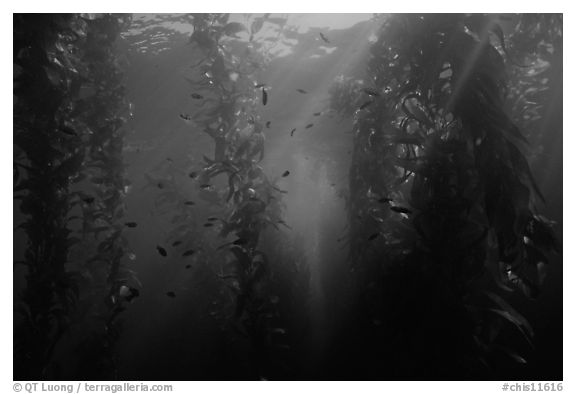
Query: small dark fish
x=371, y=92
x=282, y=222
x=366, y=104
x=193, y=174
x=240, y=241
x=162, y=251
x=171, y=294
x=205, y=186
x=188, y=253
x=264, y=96
x=301, y=91
x=400, y=210
x=373, y=236
x=292, y=132
x=185, y=117
x=323, y=37
x=259, y=85
x=88, y=200
x=68, y=130
x=309, y=125
x=384, y=199
x=160, y=185
x=211, y=219
x=189, y=203
x=176, y=243
x=208, y=224
x=130, y=224
x=317, y=113
x=268, y=124
x=196, y=96
x=188, y=266
x=133, y=294
x=285, y=174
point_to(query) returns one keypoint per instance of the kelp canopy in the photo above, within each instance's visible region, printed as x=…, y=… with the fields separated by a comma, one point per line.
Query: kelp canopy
x=247, y=199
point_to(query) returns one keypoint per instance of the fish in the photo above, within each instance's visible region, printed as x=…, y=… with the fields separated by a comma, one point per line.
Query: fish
x=373, y=236
x=68, y=130
x=285, y=174
x=309, y=125
x=259, y=85
x=301, y=91
x=324, y=38
x=176, y=243
x=205, y=186
x=171, y=294
x=196, y=96
x=400, y=209
x=292, y=132
x=128, y=292
x=188, y=266
x=162, y=251
x=366, y=104
x=317, y=113
x=268, y=124
x=211, y=219
x=88, y=200
x=264, y=96
x=231, y=29
x=384, y=199
x=371, y=92
x=185, y=116
x=133, y=294
x=188, y=253
x=240, y=241
x=189, y=203
x=130, y=224
x=282, y=222
x=193, y=174
x=208, y=224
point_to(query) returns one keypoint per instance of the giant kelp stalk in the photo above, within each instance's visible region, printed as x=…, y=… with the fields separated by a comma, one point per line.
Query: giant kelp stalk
x=104, y=110
x=50, y=151
x=440, y=179
x=53, y=88
x=231, y=97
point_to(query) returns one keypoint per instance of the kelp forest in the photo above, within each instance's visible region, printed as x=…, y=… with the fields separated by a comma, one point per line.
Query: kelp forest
x=287, y=197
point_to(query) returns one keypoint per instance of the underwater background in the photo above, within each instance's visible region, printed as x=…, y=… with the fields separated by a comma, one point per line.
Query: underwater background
x=287, y=196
